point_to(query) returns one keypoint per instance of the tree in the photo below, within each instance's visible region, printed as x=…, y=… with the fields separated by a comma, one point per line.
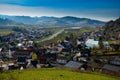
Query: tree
x=73, y=40
x=101, y=46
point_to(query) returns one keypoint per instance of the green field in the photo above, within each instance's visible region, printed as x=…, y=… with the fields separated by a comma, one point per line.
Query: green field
x=65, y=33
x=44, y=37
x=114, y=42
x=53, y=74
x=5, y=31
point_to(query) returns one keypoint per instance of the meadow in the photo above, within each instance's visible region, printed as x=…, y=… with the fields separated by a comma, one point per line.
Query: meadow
x=53, y=74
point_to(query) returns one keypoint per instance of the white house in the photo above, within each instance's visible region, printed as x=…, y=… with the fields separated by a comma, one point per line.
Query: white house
x=92, y=43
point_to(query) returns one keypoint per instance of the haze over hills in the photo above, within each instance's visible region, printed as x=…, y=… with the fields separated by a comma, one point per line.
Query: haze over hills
x=6, y=22
x=44, y=21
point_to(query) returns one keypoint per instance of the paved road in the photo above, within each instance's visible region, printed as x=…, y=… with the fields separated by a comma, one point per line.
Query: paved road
x=52, y=36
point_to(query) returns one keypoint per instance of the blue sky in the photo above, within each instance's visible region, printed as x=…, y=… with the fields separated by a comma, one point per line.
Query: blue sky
x=96, y=9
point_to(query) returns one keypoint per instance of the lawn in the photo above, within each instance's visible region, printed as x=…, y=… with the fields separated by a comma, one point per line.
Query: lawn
x=53, y=74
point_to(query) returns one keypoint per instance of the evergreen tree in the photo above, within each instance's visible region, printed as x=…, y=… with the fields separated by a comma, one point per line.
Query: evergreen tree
x=101, y=46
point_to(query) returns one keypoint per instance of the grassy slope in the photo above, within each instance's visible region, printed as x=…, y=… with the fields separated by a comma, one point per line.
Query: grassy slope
x=53, y=74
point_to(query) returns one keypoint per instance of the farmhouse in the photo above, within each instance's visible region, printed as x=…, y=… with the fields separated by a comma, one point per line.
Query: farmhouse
x=111, y=69
x=74, y=65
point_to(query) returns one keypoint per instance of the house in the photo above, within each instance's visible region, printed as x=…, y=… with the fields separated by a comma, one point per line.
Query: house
x=82, y=59
x=61, y=60
x=86, y=52
x=22, y=53
x=77, y=55
x=60, y=47
x=116, y=61
x=54, y=50
x=111, y=69
x=92, y=43
x=93, y=66
x=65, y=51
x=1, y=55
x=1, y=62
x=21, y=56
x=74, y=65
x=42, y=58
x=34, y=61
x=80, y=41
x=34, y=56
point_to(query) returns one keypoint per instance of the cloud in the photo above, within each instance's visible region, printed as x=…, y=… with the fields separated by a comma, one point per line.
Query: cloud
x=22, y=10
x=100, y=14
x=32, y=11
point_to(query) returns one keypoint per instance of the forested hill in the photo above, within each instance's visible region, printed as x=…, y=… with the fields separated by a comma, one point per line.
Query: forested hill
x=112, y=26
x=67, y=21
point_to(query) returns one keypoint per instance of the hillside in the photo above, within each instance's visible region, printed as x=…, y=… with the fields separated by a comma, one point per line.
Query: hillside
x=67, y=21
x=112, y=26
x=53, y=74
x=112, y=30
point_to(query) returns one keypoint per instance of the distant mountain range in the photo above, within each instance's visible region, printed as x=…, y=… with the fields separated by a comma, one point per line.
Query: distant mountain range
x=44, y=21
x=6, y=23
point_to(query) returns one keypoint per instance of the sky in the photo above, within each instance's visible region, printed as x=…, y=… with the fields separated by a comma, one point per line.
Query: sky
x=104, y=10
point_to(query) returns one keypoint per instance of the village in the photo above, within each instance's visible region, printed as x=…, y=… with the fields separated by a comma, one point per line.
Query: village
x=86, y=52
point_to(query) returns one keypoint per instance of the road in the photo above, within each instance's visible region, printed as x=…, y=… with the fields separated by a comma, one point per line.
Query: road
x=52, y=36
